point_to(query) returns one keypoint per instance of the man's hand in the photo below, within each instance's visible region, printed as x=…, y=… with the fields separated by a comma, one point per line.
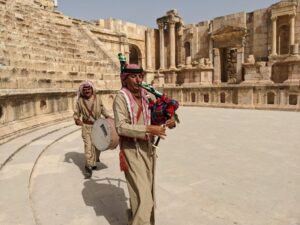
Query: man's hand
x=78, y=122
x=170, y=123
x=156, y=131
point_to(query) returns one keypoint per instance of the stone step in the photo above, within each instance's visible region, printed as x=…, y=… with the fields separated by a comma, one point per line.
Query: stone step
x=19, y=209
x=49, y=49
x=80, y=66
x=13, y=72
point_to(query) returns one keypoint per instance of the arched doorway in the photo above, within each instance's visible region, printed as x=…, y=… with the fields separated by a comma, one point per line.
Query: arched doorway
x=135, y=55
x=222, y=97
x=193, y=96
x=283, y=40
x=270, y=98
x=187, y=49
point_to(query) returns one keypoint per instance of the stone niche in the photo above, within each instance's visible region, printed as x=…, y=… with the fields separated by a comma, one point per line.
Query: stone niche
x=229, y=45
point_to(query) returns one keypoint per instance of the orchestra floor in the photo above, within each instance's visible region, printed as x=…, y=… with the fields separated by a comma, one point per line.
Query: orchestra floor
x=218, y=167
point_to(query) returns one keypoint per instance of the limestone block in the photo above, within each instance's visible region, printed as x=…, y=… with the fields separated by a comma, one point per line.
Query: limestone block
x=250, y=59
x=206, y=77
x=294, y=49
x=266, y=72
x=188, y=61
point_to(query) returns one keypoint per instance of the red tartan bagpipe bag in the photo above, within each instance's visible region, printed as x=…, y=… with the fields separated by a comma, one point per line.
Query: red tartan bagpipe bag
x=162, y=108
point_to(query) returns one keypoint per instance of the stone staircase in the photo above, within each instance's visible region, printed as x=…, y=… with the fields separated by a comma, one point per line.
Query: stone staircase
x=41, y=48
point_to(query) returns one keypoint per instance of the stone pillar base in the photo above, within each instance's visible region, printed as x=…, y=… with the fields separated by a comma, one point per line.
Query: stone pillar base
x=294, y=49
x=159, y=79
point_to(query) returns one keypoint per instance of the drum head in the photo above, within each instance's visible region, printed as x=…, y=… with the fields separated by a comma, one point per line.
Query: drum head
x=104, y=136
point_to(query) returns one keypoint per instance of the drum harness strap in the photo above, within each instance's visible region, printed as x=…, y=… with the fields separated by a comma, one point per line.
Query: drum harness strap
x=91, y=119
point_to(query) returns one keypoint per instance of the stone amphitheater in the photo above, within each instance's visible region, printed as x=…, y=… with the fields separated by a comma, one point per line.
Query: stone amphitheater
x=243, y=60
x=235, y=166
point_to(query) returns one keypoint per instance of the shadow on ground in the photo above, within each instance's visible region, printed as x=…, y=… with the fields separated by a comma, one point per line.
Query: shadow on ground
x=79, y=160
x=108, y=199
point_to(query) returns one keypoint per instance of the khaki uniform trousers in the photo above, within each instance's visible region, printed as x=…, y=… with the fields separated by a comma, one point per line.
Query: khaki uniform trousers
x=140, y=182
x=91, y=153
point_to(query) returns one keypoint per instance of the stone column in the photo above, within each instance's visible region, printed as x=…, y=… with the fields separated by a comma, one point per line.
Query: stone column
x=274, y=34
x=239, y=62
x=172, y=44
x=180, y=47
x=161, y=46
x=211, y=43
x=148, y=49
x=292, y=30
x=282, y=98
x=217, y=66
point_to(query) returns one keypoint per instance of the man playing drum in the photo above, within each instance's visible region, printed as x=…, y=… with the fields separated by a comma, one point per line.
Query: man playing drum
x=137, y=154
x=87, y=110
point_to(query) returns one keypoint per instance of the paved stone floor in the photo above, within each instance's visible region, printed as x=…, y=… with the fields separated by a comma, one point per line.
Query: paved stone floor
x=218, y=167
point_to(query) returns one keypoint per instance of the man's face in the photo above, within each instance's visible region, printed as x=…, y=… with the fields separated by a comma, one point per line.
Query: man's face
x=132, y=82
x=87, y=92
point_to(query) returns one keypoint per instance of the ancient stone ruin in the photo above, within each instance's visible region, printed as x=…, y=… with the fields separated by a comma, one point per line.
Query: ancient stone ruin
x=243, y=60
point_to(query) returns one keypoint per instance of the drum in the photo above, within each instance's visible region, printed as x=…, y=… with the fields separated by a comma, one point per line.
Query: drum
x=104, y=135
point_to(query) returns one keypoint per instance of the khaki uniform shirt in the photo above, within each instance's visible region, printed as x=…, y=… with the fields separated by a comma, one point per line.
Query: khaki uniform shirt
x=80, y=110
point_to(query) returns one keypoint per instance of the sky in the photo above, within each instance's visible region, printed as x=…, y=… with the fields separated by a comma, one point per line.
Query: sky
x=145, y=12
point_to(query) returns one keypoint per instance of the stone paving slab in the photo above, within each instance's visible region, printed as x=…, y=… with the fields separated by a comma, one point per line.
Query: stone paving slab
x=218, y=167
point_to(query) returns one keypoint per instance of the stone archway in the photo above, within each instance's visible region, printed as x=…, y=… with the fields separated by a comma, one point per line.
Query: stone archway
x=193, y=97
x=271, y=98
x=187, y=49
x=135, y=55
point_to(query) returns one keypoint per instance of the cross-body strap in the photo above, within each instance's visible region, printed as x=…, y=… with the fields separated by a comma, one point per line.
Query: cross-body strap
x=90, y=111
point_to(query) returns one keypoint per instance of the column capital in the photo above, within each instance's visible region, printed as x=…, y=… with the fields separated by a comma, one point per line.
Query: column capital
x=274, y=18
x=161, y=25
x=172, y=23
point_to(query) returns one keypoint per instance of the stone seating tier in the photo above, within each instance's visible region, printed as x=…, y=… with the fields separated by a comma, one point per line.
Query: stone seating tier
x=46, y=48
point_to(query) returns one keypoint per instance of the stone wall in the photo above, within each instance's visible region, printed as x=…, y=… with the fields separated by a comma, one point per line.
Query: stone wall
x=24, y=109
x=127, y=35
x=228, y=61
x=236, y=20
x=261, y=34
x=270, y=97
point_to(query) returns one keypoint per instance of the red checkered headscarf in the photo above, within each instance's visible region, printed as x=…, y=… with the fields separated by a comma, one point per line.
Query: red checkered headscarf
x=130, y=69
x=85, y=84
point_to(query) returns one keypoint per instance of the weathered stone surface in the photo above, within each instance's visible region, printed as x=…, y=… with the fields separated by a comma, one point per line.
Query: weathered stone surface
x=202, y=64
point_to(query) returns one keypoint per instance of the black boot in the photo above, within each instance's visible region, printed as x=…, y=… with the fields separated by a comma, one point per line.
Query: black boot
x=88, y=172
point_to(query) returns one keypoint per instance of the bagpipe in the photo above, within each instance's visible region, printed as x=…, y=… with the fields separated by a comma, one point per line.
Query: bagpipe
x=162, y=108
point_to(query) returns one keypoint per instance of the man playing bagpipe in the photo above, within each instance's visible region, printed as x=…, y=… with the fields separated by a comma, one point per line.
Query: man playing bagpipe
x=133, y=121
